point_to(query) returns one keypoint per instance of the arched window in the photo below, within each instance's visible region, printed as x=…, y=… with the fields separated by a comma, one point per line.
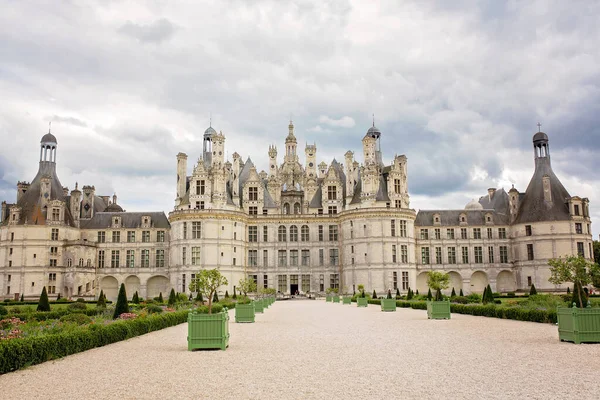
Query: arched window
x=81, y=262
x=293, y=233
x=305, y=233
x=69, y=262
x=89, y=263
x=281, y=234
x=297, y=208
x=286, y=208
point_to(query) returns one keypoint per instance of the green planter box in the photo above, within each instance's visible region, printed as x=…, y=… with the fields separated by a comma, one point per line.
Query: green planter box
x=336, y=299
x=347, y=300
x=362, y=302
x=208, y=331
x=244, y=312
x=328, y=299
x=579, y=325
x=438, y=309
x=259, y=307
x=388, y=304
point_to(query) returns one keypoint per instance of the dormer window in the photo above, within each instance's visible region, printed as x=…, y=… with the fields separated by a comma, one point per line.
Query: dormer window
x=55, y=214
x=331, y=192
x=116, y=222
x=576, y=209
x=253, y=193
x=147, y=221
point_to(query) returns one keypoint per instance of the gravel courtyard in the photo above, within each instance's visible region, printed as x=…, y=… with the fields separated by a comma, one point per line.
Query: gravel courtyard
x=318, y=350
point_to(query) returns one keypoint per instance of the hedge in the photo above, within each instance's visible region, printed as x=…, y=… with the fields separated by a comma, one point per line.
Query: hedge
x=46, y=315
x=19, y=353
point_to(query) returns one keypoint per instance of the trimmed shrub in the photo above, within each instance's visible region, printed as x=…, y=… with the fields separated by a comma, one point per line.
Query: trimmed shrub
x=234, y=294
x=101, y=300
x=78, y=318
x=181, y=298
x=80, y=300
x=43, y=305
x=23, y=297
x=216, y=308
x=215, y=298
x=59, y=297
x=568, y=290
x=154, y=309
x=409, y=296
x=460, y=293
x=172, y=298
x=226, y=294
x=190, y=298
x=474, y=298
x=429, y=296
x=3, y=311
x=160, y=298
x=417, y=292
x=459, y=299
x=77, y=307
x=453, y=294
x=199, y=297
x=389, y=295
x=398, y=294
x=438, y=295
x=122, y=305
x=374, y=296
x=136, y=298
x=532, y=290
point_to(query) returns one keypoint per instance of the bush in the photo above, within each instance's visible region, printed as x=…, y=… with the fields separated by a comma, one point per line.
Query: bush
x=460, y=293
x=172, y=298
x=122, y=304
x=77, y=307
x=80, y=300
x=532, y=290
x=136, y=298
x=154, y=309
x=453, y=294
x=3, y=311
x=216, y=308
x=61, y=300
x=160, y=298
x=473, y=298
x=459, y=299
x=243, y=300
x=429, y=296
x=182, y=298
x=78, y=318
x=374, y=296
x=43, y=305
x=398, y=294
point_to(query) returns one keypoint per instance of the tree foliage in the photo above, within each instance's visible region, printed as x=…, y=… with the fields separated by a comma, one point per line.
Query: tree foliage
x=101, y=300
x=136, y=298
x=574, y=269
x=532, y=290
x=172, y=297
x=208, y=281
x=122, y=305
x=246, y=286
x=437, y=281
x=43, y=304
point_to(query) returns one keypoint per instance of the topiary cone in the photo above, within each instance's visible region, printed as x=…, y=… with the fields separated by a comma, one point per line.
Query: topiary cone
x=429, y=296
x=172, y=297
x=122, y=305
x=160, y=298
x=374, y=294
x=532, y=290
x=43, y=304
x=453, y=294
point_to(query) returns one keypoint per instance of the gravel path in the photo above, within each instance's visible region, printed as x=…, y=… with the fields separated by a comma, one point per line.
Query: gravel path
x=318, y=350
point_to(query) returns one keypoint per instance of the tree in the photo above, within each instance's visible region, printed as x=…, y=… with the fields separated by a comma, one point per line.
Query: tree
x=247, y=285
x=136, y=298
x=417, y=292
x=429, y=296
x=122, y=305
x=389, y=295
x=409, y=295
x=208, y=281
x=234, y=294
x=568, y=290
x=101, y=300
x=23, y=297
x=226, y=294
x=460, y=293
x=199, y=297
x=215, y=298
x=437, y=281
x=453, y=294
x=484, y=295
x=532, y=290
x=361, y=287
x=597, y=251
x=172, y=298
x=374, y=294
x=160, y=298
x=488, y=295
x=575, y=269
x=397, y=293
x=43, y=304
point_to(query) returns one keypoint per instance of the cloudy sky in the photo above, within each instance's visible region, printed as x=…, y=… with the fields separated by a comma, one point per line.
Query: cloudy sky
x=456, y=86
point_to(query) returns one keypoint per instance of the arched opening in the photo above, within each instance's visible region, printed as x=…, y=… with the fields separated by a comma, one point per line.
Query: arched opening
x=157, y=285
x=422, y=283
x=506, y=282
x=132, y=285
x=456, y=282
x=479, y=280
x=110, y=286
x=297, y=208
x=286, y=208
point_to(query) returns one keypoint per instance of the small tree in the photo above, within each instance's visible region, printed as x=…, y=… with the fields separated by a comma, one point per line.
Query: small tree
x=43, y=304
x=489, y=294
x=397, y=293
x=101, y=300
x=23, y=297
x=409, y=295
x=216, y=298
x=429, y=296
x=136, y=298
x=361, y=287
x=389, y=295
x=362, y=294
x=453, y=294
x=122, y=305
x=160, y=298
x=247, y=285
x=417, y=292
x=437, y=281
x=568, y=290
x=460, y=293
x=234, y=294
x=484, y=295
x=208, y=281
x=575, y=269
x=172, y=298
x=532, y=290
x=199, y=297
x=226, y=294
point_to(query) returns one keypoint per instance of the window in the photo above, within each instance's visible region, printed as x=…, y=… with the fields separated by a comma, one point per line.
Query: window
x=101, y=237
x=397, y=186
x=489, y=233
x=398, y=203
x=404, y=253
x=333, y=256
x=253, y=258
x=100, y=259
x=438, y=233
x=529, y=251
x=51, y=276
x=80, y=262
x=320, y=233
x=576, y=208
x=253, y=193
x=424, y=234
x=160, y=236
x=424, y=255
x=393, y=253
x=321, y=282
x=282, y=258
x=53, y=250
x=52, y=289
x=294, y=258
x=491, y=254
x=504, y=254
x=527, y=230
x=331, y=193
x=393, y=228
x=320, y=211
x=321, y=257
x=253, y=233
x=253, y=210
x=200, y=187
x=12, y=235
x=160, y=258
x=196, y=229
x=183, y=288
x=265, y=258
x=404, y=280
x=114, y=259
x=55, y=214
x=184, y=255
x=580, y=250
x=195, y=255
x=465, y=255
x=282, y=283
x=265, y=234
x=450, y=233
x=438, y=255
x=116, y=237
x=130, y=259
x=293, y=233
x=69, y=263
x=529, y=281
x=281, y=234
x=578, y=228
x=332, y=210
x=306, y=283
x=451, y=255
x=54, y=234
x=145, y=258
x=333, y=233
x=476, y=233
x=130, y=236
x=395, y=280
x=185, y=230
x=53, y=262
x=304, y=232
x=402, y=228
x=334, y=281
x=502, y=233
x=305, y=258
x=478, y=252
x=265, y=281
x=463, y=233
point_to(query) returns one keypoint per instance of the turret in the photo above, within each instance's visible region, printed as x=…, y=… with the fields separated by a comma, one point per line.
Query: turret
x=181, y=175
x=75, y=203
x=290, y=145
x=311, y=161
x=87, y=208
x=21, y=189
x=273, y=161
x=207, y=145
x=513, y=200
x=218, y=149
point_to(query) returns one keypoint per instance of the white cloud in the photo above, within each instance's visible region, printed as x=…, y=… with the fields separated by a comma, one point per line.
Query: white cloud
x=344, y=122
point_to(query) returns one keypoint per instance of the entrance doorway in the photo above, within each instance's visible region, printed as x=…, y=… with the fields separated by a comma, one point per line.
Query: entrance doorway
x=293, y=288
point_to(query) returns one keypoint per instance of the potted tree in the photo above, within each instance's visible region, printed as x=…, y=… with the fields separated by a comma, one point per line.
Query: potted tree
x=244, y=308
x=328, y=296
x=362, y=300
x=438, y=308
x=346, y=299
x=336, y=296
x=389, y=303
x=205, y=329
x=581, y=323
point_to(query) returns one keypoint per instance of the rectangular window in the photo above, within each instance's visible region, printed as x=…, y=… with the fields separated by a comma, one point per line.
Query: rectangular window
x=489, y=233
x=160, y=236
x=282, y=258
x=160, y=258
x=282, y=283
x=332, y=193
x=450, y=233
x=333, y=233
x=253, y=210
x=333, y=256
x=55, y=214
x=395, y=280
x=293, y=258
x=306, y=283
x=185, y=230
x=51, y=276
x=438, y=255
x=114, y=259
x=101, y=237
x=424, y=255
x=196, y=229
x=398, y=203
x=321, y=256
x=265, y=258
x=576, y=208
x=476, y=233
x=332, y=210
x=304, y=233
x=53, y=250
x=195, y=255
x=265, y=281
x=393, y=228
x=438, y=233
x=281, y=234
x=305, y=258
x=402, y=228
x=578, y=228
x=404, y=253
x=478, y=253
x=253, y=193
x=130, y=259
x=116, y=237
x=424, y=234
x=130, y=236
x=200, y=187
x=53, y=262
x=502, y=233
x=183, y=288
x=253, y=258
x=320, y=211
x=101, y=259
x=530, y=251
x=394, y=253
x=491, y=254
x=265, y=234
x=145, y=236
x=465, y=255
x=321, y=282
x=320, y=233
x=580, y=249
x=504, y=254
x=397, y=186
x=451, y=255
x=334, y=281
x=528, y=230
x=184, y=255
x=253, y=233
x=463, y=233
x=54, y=234
x=145, y=258
x=404, y=280
x=529, y=281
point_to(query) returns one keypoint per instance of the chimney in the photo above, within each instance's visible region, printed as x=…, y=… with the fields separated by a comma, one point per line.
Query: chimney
x=491, y=192
x=115, y=198
x=547, y=189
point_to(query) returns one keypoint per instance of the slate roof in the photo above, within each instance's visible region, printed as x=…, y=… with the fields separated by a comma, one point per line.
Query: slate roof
x=499, y=202
x=129, y=220
x=451, y=217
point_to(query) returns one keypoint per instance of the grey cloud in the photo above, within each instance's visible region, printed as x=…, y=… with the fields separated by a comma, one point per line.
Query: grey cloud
x=156, y=32
x=69, y=120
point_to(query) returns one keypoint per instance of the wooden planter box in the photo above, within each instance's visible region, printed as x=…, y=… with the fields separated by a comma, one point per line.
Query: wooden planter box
x=208, y=331
x=362, y=302
x=579, y=325
x=347, y=300
x=388, y=304
x=244, y=312
x=336, y=299
x=259, y=306
x=438, y=309
x=328, y=299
